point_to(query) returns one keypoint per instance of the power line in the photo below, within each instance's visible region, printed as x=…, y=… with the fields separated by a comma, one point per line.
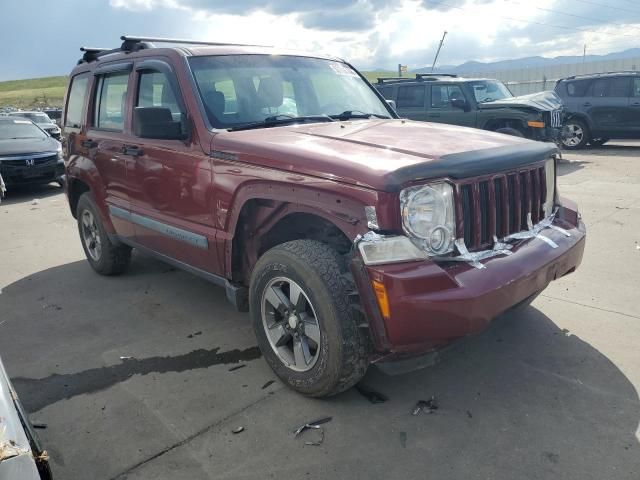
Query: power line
x=576, y=16
x=622, y=9
x=533, y=22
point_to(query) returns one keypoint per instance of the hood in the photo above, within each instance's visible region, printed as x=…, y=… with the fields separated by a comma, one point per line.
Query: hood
x=379, y=154
x=28, y=145
x=542, y=101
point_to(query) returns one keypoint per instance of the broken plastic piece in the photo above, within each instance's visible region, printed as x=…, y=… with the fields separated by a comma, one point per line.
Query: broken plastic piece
x=125, y=357
x=35, y=201
x=368, y=237
x=315, y=425
x=371, y=395
x=238, y=367
x=40, y=426
x=428, y=406
x=237, y=430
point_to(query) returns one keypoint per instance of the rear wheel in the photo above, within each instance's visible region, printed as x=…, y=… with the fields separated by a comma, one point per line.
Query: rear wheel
x=575, y=135
x=104, y=256
x=304, y=323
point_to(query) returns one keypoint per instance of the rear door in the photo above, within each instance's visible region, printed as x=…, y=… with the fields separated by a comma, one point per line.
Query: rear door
x=634, y=109
x=441, y=110
x=607, y=104
x=171, y=206
x=411, y=101
x=108, y=129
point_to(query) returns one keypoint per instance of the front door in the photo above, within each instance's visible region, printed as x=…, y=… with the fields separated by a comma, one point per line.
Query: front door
x=441, y=109
x=607, y=104
x=171, y=206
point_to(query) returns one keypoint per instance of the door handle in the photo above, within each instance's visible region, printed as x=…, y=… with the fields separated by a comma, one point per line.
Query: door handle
x=132, y=150
x=88, y=144
x=586, y=104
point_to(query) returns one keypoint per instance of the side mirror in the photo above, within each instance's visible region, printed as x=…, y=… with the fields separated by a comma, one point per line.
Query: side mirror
x=392, y=104
x=156, y=122
x=459, y=103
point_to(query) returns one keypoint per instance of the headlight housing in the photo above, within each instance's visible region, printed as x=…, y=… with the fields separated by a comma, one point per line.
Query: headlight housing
x=550, y=176
x=428, y=217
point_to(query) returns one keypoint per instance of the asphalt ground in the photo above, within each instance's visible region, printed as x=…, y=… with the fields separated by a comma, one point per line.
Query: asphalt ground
x=133, y=374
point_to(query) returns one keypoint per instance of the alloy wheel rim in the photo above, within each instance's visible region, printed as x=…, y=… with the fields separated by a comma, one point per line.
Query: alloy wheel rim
x=574, y=135
x=90, y=235
x=290, y=323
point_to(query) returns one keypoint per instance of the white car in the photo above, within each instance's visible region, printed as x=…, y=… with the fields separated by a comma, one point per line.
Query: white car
x=21, y=456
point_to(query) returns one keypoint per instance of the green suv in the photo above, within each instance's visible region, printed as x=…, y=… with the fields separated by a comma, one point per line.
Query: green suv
x=475, y=102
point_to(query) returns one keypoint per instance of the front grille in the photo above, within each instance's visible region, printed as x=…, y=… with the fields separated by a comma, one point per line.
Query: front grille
x=17, y=170
x=22, y=162
x=556, y=118
x=499, y=205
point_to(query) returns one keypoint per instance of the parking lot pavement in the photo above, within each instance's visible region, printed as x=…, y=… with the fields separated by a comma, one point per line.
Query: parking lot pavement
x=132, y=375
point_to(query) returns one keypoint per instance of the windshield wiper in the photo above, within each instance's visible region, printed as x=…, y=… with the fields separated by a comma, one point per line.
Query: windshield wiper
x=349, y=114
x=282, y=119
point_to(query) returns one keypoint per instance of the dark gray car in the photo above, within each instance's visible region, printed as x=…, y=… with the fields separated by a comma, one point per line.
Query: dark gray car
x=42, y=120
x=479, y=103
x=600, y=107
x=28, y=155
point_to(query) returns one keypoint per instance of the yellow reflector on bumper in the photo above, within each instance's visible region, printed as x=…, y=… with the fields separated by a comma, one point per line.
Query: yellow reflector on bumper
x=534, y=124
x=383, y=300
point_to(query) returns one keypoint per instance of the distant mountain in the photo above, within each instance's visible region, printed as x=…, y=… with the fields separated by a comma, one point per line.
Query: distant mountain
x=529, y=62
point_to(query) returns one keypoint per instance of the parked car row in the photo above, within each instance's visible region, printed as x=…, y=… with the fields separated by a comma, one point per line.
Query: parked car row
x=583, y=110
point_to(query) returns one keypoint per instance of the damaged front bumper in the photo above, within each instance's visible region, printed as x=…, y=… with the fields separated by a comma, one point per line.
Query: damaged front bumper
x=432, y=303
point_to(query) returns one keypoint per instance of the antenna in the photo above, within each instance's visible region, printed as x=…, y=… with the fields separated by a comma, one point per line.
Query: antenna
x=438, y=51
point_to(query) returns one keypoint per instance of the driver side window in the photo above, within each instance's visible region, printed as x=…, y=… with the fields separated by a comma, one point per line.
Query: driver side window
x=441, y=95
x=155, y=91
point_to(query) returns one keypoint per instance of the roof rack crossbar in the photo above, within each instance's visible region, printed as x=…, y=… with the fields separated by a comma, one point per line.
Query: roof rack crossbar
x=420, y=75
x=135, y=39
x=91, y=53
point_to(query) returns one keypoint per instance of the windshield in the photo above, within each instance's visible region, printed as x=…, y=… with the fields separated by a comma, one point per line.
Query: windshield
x=244, y=89
x=40, y=118
x=490, y=90
x=19, y=129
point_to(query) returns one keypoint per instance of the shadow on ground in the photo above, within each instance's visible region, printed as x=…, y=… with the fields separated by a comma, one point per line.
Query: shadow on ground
x=525, y=400
x=26, y=194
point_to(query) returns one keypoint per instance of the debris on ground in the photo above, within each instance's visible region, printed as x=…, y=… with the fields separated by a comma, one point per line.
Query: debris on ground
x=428, y=406
x=371, y=395
x=237, y=367
x=125, y=357
x=315, y=425
x=268, y=384
x=35, y=201
x=566, y=332
x=469, y=414
x=403, y=439
x=40, y=426
x=191, y=335
x=237, y=430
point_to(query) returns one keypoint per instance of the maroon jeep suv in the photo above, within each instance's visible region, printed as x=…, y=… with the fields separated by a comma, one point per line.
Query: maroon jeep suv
x=352, y=236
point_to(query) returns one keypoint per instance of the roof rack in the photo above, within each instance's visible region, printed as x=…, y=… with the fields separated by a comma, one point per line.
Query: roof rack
x=429, y=77
x=133, y=40
x=622, y=72
x=132, y=43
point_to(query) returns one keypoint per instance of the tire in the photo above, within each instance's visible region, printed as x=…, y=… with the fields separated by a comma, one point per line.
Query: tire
x=510, y=131
x=598, y=142
x=336, y=355
x=105, y=257
x=575, y=135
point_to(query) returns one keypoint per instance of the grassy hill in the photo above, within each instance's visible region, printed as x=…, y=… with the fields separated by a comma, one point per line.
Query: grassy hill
x=49, y=91
x=35, y=92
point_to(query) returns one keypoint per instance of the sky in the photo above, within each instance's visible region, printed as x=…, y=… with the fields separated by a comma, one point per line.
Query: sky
x=42, y=38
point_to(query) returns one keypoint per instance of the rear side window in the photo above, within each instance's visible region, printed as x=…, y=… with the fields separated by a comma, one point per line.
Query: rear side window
x=618, y=87
x=75, y=102
x=411, y=96
x=599, y=88
x=386, y=92
x=110, y=101
x=441, y=95
x=578, y=88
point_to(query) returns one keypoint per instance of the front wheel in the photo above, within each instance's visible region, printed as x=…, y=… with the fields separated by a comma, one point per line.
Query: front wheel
x=304, y=322
x=575, y=135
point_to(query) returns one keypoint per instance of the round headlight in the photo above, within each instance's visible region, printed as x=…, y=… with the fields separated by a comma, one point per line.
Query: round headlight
x=427, y=216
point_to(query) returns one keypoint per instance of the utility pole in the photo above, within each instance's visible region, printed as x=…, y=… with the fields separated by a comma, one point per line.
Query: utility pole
x=584, y=53
x=438, y=52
